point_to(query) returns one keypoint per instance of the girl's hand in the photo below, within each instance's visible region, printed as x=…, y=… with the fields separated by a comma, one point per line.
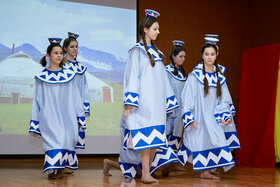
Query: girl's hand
x=194, y=124
x=226, y=122
x=173, y=113
x=127, y=109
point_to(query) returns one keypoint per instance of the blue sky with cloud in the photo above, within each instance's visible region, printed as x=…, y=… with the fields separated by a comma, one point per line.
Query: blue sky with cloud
x=102, y=28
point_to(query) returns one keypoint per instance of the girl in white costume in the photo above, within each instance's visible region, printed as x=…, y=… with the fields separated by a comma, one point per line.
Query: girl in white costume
x=230, y=131
x=70, y=48
x=57, y=112
x=148, y=96
x=177, y=78
x=206, y=111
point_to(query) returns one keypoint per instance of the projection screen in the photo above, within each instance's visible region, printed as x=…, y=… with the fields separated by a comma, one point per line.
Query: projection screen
x=107, y=30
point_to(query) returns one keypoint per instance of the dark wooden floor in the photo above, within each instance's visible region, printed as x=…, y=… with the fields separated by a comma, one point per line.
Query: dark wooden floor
x=25, y=172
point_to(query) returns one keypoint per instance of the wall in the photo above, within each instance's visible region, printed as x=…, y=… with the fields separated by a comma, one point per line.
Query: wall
x=240, y=25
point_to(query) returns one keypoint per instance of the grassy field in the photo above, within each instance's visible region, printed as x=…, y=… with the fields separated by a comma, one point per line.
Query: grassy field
x=104, y=119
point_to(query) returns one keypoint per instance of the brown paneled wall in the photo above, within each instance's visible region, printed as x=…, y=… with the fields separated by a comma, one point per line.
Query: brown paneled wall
x=240, y=24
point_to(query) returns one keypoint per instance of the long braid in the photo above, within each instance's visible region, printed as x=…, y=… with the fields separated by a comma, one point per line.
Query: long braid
x=175, y=68
x=183, y=71
x=205, y=81
x=172, y=61
x=149, y=54
x=219, y=88
x=160, y=54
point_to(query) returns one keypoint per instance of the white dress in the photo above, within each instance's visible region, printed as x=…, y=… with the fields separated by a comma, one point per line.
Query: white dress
x=148, y=89
x=81, y=83
x=57, y=111
x=207, y=146
x=174, y=124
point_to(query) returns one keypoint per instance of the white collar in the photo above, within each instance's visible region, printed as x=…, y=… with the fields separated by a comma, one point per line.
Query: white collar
x=212, y=77
x=78, y=67
x=151, y=50
x=56, y=77
x=170, y=68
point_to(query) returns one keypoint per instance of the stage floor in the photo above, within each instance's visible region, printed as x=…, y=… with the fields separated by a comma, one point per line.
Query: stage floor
x=25, y=172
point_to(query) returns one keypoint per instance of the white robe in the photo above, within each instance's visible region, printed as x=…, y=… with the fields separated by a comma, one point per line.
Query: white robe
x=148, y=89
x=207, y=146
x=174, y=124
x=81, y=83
x=57, y=110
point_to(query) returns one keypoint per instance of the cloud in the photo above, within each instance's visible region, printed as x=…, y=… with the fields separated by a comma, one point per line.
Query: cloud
x=110, y=35
x=28, y=20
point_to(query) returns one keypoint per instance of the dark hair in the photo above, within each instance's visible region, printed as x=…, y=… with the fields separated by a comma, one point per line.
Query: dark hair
x=147, y=22
x=175, y=51
x=43, y=60
x=205, y=81
x=66, y=43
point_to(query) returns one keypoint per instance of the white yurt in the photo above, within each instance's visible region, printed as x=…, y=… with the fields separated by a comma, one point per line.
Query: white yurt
x=17, y=78
x=99, y=91
x=17, y=73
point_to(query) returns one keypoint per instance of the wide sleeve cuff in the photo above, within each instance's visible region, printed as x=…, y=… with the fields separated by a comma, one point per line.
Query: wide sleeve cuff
x=188, y=118
x=82, y=121
x=87, y=109
x=232, y=109
x=171, y=103
x=225, y=116
x=34, y=128
x=131, y=99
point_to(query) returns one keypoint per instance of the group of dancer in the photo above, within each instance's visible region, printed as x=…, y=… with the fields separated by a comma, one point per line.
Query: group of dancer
x=168, y=116
x=60, y=105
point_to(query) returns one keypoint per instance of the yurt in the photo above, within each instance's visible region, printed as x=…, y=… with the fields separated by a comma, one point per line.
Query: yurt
x=17, y=73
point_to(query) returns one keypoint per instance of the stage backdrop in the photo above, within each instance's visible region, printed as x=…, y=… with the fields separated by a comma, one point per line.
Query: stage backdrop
x=107, y=30
x=256, y=109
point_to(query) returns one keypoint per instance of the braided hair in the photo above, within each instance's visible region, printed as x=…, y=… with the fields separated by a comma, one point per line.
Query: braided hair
x=147, y=22
x=175, y=51
x=205, y=80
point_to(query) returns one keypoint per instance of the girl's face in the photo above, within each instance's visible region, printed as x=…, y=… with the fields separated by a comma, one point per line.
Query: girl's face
x=56, y=55
x=152, y=32
x=179, y=59
x=72, y=48
x=209, y=56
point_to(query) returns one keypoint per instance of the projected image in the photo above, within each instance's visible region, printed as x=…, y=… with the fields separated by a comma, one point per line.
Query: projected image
x=106, y=34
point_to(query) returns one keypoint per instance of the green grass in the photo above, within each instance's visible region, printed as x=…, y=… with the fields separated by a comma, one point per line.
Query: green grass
x=14, y=119
x=104, y=119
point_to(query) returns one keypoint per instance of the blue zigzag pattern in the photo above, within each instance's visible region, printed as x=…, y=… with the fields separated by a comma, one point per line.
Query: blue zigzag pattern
x=211, y=77
x=145, y=138
x=232, y=140
x=232, y=108
x=129, y=170
x=169, y=68
x=34, y=127
x=224, y=116
x=82, y=121
x=163, y=156
x=87, y=108
x=187, y=118
x=60, y=159
x=78, y=67
x=212, y=158
x=222, y=68
x=171, y=103
x=174, y=141
x=65, y=75
x=131, y=99
x=183, y=154
x=81, y=139
x=151, y=50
